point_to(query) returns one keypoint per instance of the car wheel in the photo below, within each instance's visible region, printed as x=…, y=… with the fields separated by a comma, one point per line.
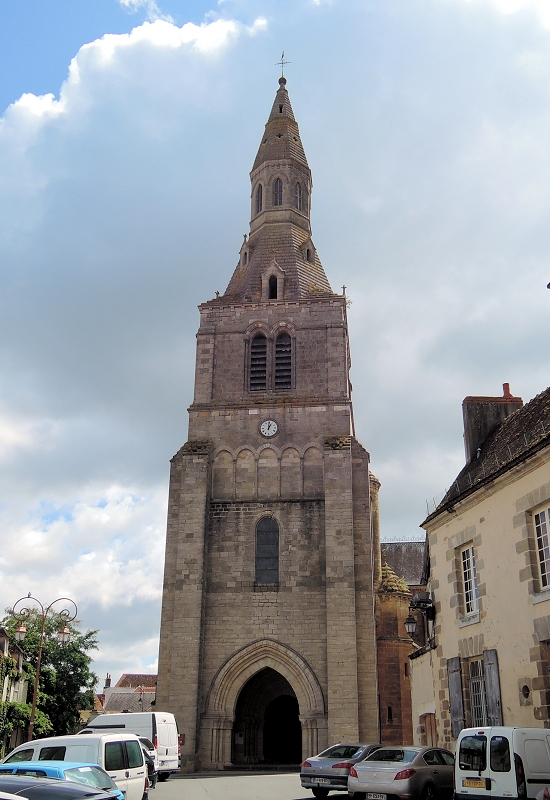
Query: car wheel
x=320, y=792
x=428, y=792
x=163, y=776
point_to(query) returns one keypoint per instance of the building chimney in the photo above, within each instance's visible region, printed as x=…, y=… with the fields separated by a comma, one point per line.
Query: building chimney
x=107, y=682
x=482, y=415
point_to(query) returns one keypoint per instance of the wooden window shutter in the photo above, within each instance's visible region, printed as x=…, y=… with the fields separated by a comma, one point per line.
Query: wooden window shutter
x=492, y=687
x=456, y=701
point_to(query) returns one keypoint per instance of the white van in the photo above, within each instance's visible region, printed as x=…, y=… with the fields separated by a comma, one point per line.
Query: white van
x=119, y=754
x=501, y=763
x=158, y=726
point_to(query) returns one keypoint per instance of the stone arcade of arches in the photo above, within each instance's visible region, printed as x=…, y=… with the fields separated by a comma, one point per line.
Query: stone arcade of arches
x=262, y=687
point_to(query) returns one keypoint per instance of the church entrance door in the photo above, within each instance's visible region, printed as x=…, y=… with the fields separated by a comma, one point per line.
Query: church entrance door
x=267, y=727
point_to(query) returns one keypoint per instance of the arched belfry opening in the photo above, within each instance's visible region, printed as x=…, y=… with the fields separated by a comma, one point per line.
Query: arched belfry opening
x=267, y=727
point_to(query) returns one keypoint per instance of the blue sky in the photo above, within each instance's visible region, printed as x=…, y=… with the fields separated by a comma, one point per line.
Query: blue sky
x=127, y=133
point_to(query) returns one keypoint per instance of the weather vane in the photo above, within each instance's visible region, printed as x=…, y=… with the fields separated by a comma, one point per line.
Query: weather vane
x=282, y=64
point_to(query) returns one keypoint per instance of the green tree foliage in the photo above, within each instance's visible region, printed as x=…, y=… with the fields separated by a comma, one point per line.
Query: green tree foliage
x=66, y=684
x=18, y=715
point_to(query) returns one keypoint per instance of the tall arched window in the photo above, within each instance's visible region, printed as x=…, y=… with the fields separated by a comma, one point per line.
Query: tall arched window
x=283, y=361
x=272, y=284
x=278, y=192
x=258, y=363
x=267, y=551
x=259, y=198
x=298, y=196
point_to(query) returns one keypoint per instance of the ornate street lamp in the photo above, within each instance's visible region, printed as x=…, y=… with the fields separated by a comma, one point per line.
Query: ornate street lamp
x=423, y=603
x=21, y=614
x=410, y=625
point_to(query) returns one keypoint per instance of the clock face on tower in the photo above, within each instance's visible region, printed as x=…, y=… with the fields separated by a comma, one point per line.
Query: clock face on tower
x=269, y=428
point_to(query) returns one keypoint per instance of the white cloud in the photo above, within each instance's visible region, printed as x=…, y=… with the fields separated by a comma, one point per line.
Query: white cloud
x=123, y=200
x=541, y=7
x=150, y=6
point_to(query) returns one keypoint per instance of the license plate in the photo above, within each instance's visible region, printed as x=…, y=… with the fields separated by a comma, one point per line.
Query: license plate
x=375, y=796
x=320, y=780
x=473, y=783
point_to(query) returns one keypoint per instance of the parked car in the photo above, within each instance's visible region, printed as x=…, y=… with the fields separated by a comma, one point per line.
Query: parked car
x=329, y=770
x=88, y=774
x=49, y=789
x=410, y=773
x=119, y=754
x=160, y=727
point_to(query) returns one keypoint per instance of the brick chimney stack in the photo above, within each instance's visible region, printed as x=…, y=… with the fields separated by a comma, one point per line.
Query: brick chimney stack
x=483, y=414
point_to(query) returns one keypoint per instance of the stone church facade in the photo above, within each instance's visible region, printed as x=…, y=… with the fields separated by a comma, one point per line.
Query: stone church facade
x=268, y=641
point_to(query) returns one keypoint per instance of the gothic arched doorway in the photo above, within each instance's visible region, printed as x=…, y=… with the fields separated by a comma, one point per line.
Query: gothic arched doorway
x=267, y=727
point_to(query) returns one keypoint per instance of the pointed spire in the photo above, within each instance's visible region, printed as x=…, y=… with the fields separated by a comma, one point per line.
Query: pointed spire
x=280, y=230
x=281, y=139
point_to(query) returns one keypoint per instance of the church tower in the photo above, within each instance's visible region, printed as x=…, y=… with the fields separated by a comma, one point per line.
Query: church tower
x=268, y=647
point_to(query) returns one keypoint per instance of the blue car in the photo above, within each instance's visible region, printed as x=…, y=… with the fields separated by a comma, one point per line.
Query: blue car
x=76, y=771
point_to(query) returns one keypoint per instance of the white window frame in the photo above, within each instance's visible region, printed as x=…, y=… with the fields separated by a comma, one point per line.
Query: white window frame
x=470, y=592
x=541, y=520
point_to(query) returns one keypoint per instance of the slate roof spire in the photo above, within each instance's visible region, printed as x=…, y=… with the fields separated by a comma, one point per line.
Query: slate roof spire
x=280, y=231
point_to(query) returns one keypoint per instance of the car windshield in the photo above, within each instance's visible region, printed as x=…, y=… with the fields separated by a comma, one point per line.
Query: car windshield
x=394, y=754
x=91, y=776
x=22, y=755
x=342, y=751
x=148, y=744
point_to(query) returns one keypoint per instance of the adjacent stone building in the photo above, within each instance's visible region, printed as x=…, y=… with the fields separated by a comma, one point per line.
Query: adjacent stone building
x=489, y=554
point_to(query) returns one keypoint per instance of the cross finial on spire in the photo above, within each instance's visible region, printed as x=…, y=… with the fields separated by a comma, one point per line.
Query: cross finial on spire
x=282, y=64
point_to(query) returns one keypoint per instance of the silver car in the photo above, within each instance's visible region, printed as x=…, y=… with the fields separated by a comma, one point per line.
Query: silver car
x=409, y=773
x=330, y=769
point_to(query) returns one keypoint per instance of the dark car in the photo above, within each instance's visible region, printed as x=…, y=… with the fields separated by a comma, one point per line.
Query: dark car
x=51, y=789
x=330, y=769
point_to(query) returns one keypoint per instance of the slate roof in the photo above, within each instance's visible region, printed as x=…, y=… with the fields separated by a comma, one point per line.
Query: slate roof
x=280, y=242
x=281, y=139
x=129, y=701
x=516, y=439
x=406, y=560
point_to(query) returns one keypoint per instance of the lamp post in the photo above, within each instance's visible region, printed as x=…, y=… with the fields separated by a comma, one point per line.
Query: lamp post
x=422, y=602
x=21, y=614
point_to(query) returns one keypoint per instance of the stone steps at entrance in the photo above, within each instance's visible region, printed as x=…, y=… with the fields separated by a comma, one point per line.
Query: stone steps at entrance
x=260, y=768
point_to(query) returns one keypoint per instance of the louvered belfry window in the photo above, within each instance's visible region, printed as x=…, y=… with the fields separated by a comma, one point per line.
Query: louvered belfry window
x=298, y=197
x=283, y=361
x=258, y=363
x=278, y=192
x=267, y=551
